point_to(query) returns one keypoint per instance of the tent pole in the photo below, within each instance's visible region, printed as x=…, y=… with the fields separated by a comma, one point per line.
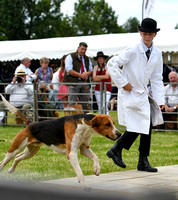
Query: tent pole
x=143, y=2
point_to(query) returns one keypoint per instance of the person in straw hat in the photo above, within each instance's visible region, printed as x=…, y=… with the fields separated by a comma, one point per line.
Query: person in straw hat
x=137, y=110
x=21, y=94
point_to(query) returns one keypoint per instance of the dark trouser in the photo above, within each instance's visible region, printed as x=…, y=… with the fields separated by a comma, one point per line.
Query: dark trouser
x=78, y=91
x=128, y=138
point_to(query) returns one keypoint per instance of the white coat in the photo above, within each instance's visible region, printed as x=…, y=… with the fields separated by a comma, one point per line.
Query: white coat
x=136, y=106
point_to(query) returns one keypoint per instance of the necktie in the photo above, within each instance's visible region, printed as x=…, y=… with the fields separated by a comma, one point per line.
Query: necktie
x=82, y=67
x=148, y=52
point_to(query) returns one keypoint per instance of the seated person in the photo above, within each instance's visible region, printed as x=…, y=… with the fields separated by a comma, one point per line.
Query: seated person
x=46, y=101
x=113, y=99
x=21, y=95
x=171, y=98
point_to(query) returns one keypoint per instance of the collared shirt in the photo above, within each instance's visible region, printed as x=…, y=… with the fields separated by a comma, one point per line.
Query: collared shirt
x=145, y=47
x=55, y=80
x=171, y=96
x=44, y=76
x=69, y=63
x=27, y=71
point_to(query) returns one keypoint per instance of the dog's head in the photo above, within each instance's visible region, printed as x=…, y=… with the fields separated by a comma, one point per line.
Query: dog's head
x=104, y=125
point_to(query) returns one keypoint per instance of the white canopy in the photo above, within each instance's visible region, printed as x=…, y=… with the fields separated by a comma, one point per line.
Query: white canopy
x=54, y=48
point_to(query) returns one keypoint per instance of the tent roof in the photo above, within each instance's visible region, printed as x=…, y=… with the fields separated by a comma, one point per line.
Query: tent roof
x=110, y=44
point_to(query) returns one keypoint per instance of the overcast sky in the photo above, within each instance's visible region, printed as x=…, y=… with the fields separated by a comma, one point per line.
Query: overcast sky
x=165, y=12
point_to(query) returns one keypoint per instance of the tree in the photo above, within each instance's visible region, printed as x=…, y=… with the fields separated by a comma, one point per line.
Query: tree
x=94, y=17
x=2, y=35
x=176, y=27
x=12, y=19
x=29, y=19
x=131, y=25
x=45, y=18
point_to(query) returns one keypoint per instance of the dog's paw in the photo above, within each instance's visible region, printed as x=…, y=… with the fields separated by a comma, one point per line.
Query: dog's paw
x=86, y=188
x=97, y=171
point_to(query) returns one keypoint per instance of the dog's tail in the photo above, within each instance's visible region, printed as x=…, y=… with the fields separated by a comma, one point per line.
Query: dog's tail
x=14, y=110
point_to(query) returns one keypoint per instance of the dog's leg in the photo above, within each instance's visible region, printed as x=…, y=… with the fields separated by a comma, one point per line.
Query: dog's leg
x=7, y=158
x=72, y=149
x=73, y=142
x=13, y=151
x=74, y=162
x=86, y=151
x=29, y=152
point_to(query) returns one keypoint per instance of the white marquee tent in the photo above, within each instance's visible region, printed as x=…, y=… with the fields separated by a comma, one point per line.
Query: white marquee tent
x=110, y=44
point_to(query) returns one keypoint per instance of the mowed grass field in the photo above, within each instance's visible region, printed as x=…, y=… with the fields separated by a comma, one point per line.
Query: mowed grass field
x=47, y=164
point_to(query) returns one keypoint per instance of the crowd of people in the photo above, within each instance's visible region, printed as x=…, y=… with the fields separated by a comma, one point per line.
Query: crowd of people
x=68, y=86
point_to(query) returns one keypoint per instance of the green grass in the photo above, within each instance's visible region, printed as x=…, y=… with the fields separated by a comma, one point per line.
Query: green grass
x=47, y=164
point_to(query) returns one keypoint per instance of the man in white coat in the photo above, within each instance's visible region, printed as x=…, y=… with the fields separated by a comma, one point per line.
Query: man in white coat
x=137, y=110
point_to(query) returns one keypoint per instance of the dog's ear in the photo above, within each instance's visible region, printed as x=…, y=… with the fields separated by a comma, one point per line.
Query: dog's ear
x=95, y=122
x=88, y=119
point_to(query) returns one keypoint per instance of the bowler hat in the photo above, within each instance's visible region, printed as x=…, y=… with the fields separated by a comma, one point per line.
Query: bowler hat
x=20, y=72
x=100, y=54
x=148, y=25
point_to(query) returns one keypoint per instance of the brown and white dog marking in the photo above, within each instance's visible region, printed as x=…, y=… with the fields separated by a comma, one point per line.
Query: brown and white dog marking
x=64, y=135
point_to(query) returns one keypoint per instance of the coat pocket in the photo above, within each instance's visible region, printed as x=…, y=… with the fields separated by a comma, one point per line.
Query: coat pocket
x=135, y=100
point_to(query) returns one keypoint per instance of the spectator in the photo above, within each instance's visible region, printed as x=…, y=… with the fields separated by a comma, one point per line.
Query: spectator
x=100, y=74
x=46, y=101
x=136, y=109
x=21, y=94
x=63, y=88
x=55, y=82
x=113, y=100
x=166, y=70
x=171, y=98
x=25, y=64
x=44, y=73
x=78, y=69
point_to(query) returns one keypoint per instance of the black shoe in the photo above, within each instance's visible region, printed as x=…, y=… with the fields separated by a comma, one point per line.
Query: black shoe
x=117, y=158
x=144, y=165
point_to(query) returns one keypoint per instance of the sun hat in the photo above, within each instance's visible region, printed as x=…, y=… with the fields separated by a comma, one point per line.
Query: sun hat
x=148, y=25
x=100, y=54
x=20, y=72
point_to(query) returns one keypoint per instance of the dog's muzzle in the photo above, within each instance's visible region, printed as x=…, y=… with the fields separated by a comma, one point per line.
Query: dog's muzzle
x=118, y=135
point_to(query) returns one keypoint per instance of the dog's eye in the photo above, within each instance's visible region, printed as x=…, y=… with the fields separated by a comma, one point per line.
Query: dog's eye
x=108, y=125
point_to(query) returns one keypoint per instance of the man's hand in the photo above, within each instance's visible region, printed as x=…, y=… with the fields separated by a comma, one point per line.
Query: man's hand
x=162, y=107
x=127, y=87
x=14, y=79
x=23, y=79
x=169, y=109
x=84, y=75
